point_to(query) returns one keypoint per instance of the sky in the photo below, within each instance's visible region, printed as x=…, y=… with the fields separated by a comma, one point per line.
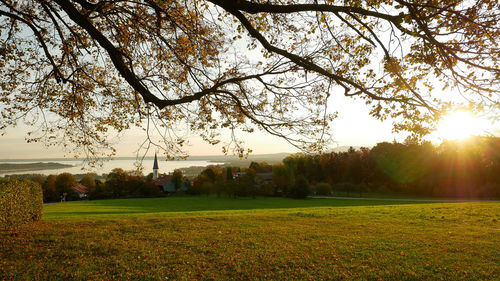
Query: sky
x=353, y=127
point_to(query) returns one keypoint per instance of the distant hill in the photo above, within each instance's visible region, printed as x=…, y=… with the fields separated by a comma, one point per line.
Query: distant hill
x=11, y=167
x=344, y=148
x=233, y=160
x=252, y=157
x=271, y=158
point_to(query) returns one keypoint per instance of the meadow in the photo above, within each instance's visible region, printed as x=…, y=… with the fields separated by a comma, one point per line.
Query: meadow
x=210, y=238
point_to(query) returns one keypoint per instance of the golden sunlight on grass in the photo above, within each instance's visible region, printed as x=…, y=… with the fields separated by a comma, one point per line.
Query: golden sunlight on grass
x=459, y=125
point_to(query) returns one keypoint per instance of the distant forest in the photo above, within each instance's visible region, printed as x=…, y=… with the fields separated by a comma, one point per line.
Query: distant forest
x=460, y=169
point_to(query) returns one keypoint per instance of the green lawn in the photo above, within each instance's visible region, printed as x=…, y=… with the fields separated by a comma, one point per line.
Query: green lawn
x=185, y=238
x=190, y=206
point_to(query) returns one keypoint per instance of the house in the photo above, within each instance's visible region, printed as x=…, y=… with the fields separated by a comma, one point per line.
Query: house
x=239, y=175
x=265, y=177
x=260, y=177
x=81, y=190
x=165, y=182
x=169, y=187
x=161, y=181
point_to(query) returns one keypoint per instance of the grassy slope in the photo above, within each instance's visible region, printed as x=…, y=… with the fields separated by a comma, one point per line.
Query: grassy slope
x=189, y=206
x=271, y=238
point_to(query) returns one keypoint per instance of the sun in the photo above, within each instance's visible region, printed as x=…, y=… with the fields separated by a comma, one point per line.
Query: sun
x=459, y=125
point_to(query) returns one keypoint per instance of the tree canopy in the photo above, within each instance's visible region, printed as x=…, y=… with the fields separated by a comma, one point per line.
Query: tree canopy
x=79, y=70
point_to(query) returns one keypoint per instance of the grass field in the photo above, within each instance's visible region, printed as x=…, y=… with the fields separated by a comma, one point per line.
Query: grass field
x=199, y=238
x=189, y=206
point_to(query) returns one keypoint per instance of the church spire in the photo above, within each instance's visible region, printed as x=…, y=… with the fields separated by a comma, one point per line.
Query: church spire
x=155, y=168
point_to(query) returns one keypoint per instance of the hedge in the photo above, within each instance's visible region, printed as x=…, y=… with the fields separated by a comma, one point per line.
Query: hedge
x=21, y=201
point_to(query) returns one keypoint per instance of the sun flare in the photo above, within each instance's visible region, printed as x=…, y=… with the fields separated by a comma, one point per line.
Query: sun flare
x=459, y=125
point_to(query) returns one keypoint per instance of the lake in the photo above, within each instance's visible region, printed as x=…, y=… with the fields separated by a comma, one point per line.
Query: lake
x=126, y=164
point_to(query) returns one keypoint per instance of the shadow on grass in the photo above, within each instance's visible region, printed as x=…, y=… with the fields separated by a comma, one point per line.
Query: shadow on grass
x=189, y=204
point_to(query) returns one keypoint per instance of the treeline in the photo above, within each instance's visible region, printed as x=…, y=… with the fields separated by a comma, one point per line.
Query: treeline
x=460, y=169
x=465, y=169
x=229, y=181
x=259, y=179
x=122, y=184
x=118, y=184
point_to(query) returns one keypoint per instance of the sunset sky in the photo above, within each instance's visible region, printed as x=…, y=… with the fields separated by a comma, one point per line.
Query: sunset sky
x=353, y=127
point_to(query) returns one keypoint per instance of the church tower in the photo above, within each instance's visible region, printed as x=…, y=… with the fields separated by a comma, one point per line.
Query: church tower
x=155, y=168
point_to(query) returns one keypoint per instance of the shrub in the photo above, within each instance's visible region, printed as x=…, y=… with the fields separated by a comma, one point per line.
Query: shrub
x=323, y=188
x=21, y=201
x=348, y=187
x=266, y=189
x=301, y=188
x=230, y=187
x=283, y=178
x=197, y=187
x=99, y=192
x=490, y=190
x=148, y=189
x=206, y=187
x=218, y=187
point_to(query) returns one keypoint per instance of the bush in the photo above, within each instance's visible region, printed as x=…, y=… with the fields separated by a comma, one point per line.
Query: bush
x=148, y=189
x=21, y=201
x=99, y=192
x=490, y=190
x=349, y=187
x=323, y=188
x=266, y=189
x=301, y=188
